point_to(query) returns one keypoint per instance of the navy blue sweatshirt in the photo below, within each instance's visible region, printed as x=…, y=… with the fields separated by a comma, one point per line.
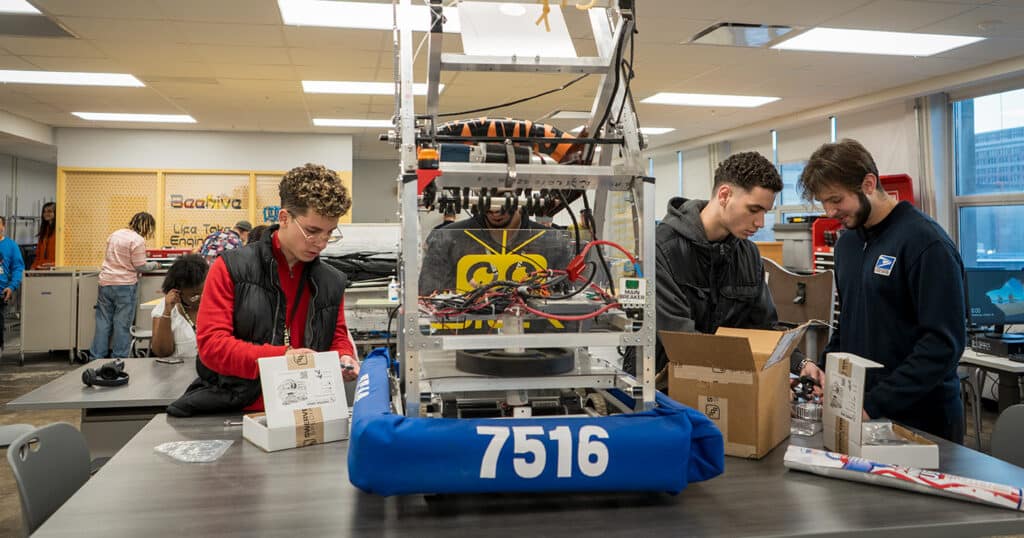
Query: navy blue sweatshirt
x=902, y=305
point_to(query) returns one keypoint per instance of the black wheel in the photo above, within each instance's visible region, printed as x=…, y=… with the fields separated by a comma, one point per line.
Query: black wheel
x=529, y=363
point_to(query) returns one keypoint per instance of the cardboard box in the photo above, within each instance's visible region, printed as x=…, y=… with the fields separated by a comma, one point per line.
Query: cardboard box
x=739, y=378
x=843, y=422
x=304, y=398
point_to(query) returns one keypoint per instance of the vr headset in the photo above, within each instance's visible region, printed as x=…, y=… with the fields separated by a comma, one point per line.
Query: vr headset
x=111, y=374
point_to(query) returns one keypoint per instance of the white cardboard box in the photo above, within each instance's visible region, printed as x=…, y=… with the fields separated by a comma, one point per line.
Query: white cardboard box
x=843, y=420
x=304, y=398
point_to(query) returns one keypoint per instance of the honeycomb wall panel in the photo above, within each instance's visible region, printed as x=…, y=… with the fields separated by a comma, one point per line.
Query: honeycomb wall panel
x=96, y=204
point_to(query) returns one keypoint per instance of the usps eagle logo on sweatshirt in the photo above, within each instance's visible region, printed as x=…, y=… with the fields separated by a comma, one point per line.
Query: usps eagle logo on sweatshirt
x=883, y=266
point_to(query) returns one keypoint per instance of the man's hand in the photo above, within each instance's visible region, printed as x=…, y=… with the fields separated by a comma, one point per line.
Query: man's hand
x=8, y=293
x=349, y=368
x=812, y=371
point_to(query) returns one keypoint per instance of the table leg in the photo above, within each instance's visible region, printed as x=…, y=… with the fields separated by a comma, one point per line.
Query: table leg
x=1009, y=390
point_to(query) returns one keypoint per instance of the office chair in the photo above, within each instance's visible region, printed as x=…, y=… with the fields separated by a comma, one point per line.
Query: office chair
x=1008, y=435
x=799, y=298
x=49, y=465
x=140, y=341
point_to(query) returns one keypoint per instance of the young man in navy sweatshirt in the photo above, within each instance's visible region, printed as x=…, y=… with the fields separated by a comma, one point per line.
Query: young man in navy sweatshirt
x=900, y=281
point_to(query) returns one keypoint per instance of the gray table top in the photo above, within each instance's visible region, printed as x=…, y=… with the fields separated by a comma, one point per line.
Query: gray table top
x=991, y=362
x=152, y=384
x=306, y=492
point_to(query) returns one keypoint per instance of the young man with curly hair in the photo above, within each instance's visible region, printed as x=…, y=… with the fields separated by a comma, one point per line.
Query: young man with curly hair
x=271, y=298
x=709, y=275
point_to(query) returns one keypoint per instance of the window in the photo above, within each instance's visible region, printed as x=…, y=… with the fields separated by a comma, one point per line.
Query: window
x=990, y=236
x=790, y=172
x=989, y=163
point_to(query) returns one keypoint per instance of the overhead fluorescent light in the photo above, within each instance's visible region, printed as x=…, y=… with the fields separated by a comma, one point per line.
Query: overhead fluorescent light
x=69, y=78
x=656, y=130
x=20, y=7
x=571, y=115
x=874, y=42
x=706, y=99
x=149, y=118
x=338, y=122
x=359, y=15
x=360, y=88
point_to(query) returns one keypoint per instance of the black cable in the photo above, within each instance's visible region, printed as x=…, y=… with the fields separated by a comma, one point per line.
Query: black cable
x=611, y=101
x=593, y=273
x=387, y=335
x=600, y=255
x=517, y=101
x=629, y=76
x=572, y=217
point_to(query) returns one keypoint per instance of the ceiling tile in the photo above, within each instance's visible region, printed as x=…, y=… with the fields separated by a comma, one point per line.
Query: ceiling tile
x=896, y=15
x=93, y=65
x=233, y=11
x=265, y=35
x=57, y=46
x=220, y=54
x=126, y=30
x=122, y=9
x=273, y=72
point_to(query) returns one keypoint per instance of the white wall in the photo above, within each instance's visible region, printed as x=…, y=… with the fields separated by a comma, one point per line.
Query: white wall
x=666, y=184
x=697, y=176
x=131, y=148
x=890, y=134
x=31, y=184
x=375, y=182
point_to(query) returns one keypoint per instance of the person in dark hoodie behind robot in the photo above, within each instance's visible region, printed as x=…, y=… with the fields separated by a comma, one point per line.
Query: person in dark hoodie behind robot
x=709, y=274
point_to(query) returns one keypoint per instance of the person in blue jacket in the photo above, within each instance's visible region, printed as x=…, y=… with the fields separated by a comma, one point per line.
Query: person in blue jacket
x=11, y=268
x=901, y=293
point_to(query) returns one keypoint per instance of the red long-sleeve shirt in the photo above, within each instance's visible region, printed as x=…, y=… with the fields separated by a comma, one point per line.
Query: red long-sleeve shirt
x=223, y=353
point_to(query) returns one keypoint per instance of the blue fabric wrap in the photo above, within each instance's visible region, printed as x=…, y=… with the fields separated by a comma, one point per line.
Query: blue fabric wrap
x=659, y=450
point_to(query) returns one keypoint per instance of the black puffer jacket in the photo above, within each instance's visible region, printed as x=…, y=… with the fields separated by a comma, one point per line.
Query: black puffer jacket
x=701, y=285
x=259, y=318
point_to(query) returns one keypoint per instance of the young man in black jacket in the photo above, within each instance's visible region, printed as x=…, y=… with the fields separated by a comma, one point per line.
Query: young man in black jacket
x=900, y=281
x=709, y=274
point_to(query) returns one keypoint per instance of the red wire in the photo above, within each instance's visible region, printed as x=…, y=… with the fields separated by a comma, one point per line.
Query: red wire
x=581, y=317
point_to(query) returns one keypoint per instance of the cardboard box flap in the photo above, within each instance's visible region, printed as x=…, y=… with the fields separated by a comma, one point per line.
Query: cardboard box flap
x=768, y=347
x=712, y=351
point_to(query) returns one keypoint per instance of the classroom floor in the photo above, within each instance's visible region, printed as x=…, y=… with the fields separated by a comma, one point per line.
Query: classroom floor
x=39, y=369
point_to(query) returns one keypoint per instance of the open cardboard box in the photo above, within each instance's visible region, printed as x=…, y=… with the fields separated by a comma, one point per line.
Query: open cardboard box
x=739, y=378
x=304, y=398
x=843, y=420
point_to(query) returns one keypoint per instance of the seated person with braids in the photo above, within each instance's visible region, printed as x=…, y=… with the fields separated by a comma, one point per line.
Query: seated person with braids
x=174, y=317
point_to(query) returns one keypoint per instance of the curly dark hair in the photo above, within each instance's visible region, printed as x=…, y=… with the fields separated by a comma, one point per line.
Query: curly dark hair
x=186, y=272
x=316, y=187
x=845, y=163
x=748, y=170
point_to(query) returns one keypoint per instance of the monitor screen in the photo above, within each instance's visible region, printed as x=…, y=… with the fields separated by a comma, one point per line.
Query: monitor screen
x=995, y=296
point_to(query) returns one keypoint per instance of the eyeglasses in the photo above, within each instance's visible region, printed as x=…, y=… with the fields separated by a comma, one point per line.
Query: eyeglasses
x=327, y=236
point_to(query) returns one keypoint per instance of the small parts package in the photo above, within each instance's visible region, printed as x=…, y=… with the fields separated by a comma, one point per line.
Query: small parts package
x=304, y=398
